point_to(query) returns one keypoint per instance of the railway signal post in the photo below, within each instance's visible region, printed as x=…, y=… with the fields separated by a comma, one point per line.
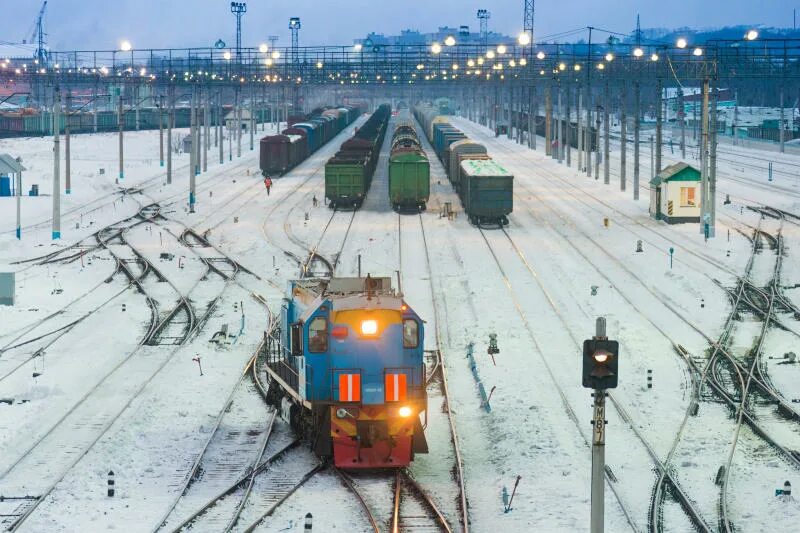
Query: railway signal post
x=600, y=372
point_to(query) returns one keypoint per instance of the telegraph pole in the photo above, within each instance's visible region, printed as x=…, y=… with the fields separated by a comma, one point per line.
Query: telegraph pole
x=170, y=125
x=56, y=165
x=161, y=131
x=192, y=175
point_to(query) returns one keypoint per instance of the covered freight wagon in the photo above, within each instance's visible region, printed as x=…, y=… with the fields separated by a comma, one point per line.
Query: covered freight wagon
x=280, y=153
x=487, y=192
x=459, y=151
x=409, y=171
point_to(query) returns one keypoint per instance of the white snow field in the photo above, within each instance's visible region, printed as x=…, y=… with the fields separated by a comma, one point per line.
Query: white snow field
x=101, y=357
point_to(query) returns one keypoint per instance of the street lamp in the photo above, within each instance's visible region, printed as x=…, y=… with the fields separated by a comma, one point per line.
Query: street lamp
x=609, y=57
x=263, y=48
x=524, y=39
x=436, y=48
x=501, y=49
x=540, y=55
x=227, y=55
x=276, y=54
x=638, y=52
x=357, y=47
x=450, y=40
x=751, y=35
x=698, y=51
x=490, y=54
x=654, y=57
x=682, y=43
x=125, y=46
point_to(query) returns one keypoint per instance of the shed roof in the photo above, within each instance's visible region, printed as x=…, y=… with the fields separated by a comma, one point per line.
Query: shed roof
x=9, y=165
x=678, y=172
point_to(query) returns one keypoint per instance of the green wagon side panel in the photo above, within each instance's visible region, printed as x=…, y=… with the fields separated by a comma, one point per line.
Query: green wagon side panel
x=345, y=182
x=409, y=179
x=489, y=196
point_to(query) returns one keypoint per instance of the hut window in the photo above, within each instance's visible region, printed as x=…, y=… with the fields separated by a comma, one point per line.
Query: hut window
x=687, y=196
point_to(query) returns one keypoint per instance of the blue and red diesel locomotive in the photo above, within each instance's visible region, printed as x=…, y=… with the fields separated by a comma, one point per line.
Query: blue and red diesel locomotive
x=347, y=370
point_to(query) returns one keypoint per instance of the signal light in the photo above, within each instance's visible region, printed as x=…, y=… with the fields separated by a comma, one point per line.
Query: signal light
x=369, y=327
x=600, y=364
x=404, y=411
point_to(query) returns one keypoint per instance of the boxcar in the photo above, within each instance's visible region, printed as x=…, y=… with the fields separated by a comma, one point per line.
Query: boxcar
x=459, y=151
x=488, y=193
x=409, y=171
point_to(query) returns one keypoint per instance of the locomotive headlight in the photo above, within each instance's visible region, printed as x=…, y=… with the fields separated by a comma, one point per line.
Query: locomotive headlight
x=369, y=327
x=404, y=411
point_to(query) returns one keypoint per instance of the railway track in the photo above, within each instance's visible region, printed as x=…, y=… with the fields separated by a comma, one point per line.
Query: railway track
x=76, y=432
x=692, y=364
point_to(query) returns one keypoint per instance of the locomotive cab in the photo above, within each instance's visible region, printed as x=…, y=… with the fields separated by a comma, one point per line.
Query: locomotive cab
x=352, y=359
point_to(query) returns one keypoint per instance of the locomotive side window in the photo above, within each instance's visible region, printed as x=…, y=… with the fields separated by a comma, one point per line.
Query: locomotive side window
x=296, y=337
x=318, y=335
x=410, y=333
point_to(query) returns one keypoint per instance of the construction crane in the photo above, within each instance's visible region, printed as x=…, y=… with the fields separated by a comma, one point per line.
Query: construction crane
x=37, y=35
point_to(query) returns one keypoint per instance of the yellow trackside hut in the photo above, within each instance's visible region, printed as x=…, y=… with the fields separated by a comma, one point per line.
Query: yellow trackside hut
x=675, y=194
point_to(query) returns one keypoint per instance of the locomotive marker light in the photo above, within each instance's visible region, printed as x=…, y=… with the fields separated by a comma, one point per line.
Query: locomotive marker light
x=404, y=411
x=600, y=372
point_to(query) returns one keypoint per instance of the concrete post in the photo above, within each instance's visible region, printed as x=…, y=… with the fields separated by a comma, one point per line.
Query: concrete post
x=587, y=143
x=548, y=120
x=170, y=125
x=192, y=135
x=220, y=127
x=712, y=170
x=623, y=143
x=568, y=127
x=252, y=119
x=597, y=144
x=67, y=158
x=56, y=165
x=659, y=126
x=238, y=124
x=636, y=132
x=121, y=125
x=682, y=111
x=780, y=125
x=206, y=128
x=19, y=205
x=136, y=104
x=193, y=161
x=532, y=117
x=580, y=128
x=94, y=108
x=606, y=135
x=705, y=194
x=161, y=131
x=559, y=125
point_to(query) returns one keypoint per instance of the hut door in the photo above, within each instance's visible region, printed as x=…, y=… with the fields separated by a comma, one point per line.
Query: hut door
x=658, y=202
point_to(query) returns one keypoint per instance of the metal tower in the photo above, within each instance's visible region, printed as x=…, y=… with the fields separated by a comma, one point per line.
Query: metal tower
x=294, y=26
x=272, y=40
x=483, y=17
x=527, y=25
x=238, y=9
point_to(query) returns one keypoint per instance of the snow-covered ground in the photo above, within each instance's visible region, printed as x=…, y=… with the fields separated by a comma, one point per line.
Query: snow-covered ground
x=87, y=397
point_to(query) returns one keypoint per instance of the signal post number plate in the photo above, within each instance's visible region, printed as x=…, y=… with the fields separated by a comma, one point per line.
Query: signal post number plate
x=599, y=430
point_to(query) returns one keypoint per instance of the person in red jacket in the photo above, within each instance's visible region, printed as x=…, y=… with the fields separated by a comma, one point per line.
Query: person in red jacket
x=268, y=184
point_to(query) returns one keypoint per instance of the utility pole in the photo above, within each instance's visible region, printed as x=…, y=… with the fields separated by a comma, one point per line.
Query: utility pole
x=192, y=175
x=170, y=125
x=636, y=135
x=121, y=125
x=221, y=123
x=705, y=194
x=206, y=128
x=589, y=105
x=623, y=142
x=67, y=171
x=606, y=136
x=56, y=165
x=659, y=129
x=597, y=144
x=712, y=174
x=161, y=130
x=682, y=117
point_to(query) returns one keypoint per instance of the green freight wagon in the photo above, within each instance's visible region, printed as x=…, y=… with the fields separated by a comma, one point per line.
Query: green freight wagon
x=487, y=192
x=347, y=180
x=409, y=171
